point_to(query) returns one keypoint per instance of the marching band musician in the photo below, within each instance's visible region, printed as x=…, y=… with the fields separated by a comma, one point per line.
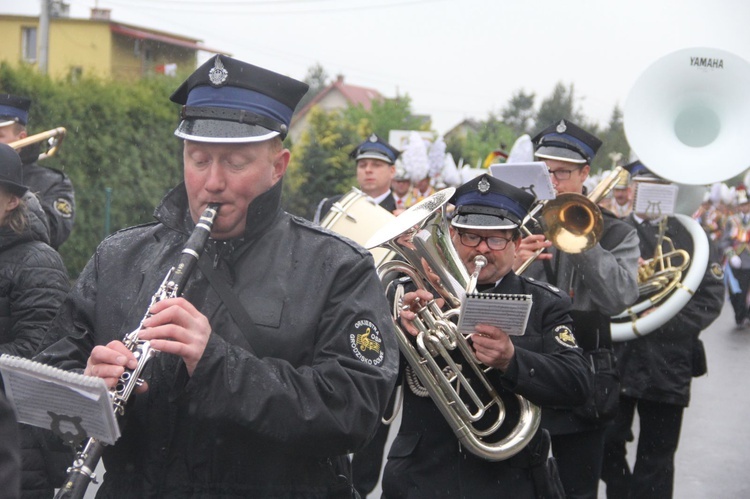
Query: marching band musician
x=279, y=358
x=375, y=160
x=656, y=369
x=601, y=282
x=53, y=187
x=33, y=285
x=401, y=187
x=734, y=245
x=621, y=202
x=544, y=365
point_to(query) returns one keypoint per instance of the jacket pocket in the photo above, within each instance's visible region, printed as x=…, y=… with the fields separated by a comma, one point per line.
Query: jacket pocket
x=404, y=445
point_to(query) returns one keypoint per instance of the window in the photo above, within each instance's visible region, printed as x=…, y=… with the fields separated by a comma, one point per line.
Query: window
x=28, y=44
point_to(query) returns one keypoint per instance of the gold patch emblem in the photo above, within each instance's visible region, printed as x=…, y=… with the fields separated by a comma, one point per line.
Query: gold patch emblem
x=564, y=336
x=63, y=207
x=367, y=343
x=717, y=271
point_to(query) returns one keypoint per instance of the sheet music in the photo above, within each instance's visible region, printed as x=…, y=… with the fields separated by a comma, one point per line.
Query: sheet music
x=72, y=405
x=533, y=178
x=509, y=312
x=655, y=199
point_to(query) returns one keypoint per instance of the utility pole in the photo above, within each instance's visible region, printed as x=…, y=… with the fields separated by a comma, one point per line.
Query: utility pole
x=43, y=36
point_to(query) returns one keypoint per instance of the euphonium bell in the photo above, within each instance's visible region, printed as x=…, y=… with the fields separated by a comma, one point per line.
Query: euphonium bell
x=420, y=235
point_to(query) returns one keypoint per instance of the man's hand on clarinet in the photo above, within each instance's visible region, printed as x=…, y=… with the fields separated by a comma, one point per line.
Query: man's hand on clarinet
x=177, y=327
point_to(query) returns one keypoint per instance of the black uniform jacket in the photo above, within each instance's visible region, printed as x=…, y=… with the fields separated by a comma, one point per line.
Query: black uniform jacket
x=659, y=366
x=263, y=415
x=55, y=192
x=426, y=459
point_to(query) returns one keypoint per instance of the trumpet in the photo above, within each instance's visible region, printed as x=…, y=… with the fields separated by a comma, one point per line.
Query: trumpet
x=421, y=237
x=572, y=222
x=53, y=137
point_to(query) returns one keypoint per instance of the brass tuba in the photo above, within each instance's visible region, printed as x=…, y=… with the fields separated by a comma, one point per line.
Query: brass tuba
x=52, y=137
x=686, y=118
x=421, y=237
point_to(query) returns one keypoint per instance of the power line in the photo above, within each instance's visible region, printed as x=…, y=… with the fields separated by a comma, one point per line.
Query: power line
x=207, y=8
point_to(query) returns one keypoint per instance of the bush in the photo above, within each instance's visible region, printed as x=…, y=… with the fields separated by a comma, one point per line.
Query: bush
x=119, y=136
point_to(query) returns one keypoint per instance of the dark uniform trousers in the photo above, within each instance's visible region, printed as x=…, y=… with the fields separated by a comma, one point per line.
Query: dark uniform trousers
x=653, y=475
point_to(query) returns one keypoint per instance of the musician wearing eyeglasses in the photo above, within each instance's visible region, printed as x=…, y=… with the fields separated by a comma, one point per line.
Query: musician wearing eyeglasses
x=656, y=369
x=601, y=282
x=543, y=365
x=278, y=357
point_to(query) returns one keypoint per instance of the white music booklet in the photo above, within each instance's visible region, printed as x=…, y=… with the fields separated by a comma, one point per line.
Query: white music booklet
x=509, y=312
x=72, y=405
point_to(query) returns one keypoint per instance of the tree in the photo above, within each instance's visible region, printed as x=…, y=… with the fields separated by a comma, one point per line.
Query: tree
x=613, y=142
x=320, y=164
x=561, y=104
x=518, y=114
x=317, y=78
x=384, y=116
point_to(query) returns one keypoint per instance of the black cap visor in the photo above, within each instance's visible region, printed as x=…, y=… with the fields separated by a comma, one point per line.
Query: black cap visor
x=483, y=222
x=222, y=131
x=559, y=153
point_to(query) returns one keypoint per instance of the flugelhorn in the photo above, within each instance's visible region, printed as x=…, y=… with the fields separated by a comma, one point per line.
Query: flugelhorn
x=53, y=138
x=421, y=237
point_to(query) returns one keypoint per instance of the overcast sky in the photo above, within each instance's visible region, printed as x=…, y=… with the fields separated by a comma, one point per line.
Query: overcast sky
x=456, y=59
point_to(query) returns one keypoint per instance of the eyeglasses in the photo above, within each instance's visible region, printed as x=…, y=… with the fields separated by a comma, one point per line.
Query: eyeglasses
x=562, y=174
x=495, y=243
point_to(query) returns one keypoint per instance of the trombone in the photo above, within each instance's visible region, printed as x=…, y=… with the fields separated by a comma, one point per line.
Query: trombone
x=54, y=138
x=572, y=222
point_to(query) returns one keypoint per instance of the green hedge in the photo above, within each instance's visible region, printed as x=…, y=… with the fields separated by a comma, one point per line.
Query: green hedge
x=120, y=136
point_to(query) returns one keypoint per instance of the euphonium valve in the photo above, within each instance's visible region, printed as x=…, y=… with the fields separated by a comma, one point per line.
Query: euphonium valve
x=441, y=358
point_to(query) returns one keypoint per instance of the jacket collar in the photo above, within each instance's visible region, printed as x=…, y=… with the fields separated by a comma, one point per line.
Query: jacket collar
x=173, y=211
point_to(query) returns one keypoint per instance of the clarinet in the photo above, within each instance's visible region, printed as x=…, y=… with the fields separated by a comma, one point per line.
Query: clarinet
x=81, y=473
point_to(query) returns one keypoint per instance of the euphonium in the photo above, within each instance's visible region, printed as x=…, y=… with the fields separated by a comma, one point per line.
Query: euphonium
x=81, y=473
x=421, y=237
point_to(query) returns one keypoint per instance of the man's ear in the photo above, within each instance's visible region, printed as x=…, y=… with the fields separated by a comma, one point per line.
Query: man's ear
x=280, y=164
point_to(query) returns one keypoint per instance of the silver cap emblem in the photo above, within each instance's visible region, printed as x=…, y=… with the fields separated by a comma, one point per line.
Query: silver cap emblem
x=373, y=138
x=561, y=127
x=218, y=75
x=483, y=186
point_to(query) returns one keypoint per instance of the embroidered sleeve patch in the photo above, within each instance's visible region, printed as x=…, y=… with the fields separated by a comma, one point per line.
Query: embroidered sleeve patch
x=564, y=336
x=63, y=207
x=366, y=342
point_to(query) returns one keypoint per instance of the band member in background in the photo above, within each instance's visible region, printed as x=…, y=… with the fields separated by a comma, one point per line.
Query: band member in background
x=375, y=159
x=734, y=245
x=400, y=187
x=601, y=282
x=278, y=359
x=33, y=285
x=544, y=365
x=656, y=370
x=621, y=202
x=53, y=187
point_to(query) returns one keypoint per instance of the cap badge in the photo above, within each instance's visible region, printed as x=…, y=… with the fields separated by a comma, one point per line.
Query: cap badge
x=218, y=75
x=561, y=127
x=373, y=138
x=483, y=186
